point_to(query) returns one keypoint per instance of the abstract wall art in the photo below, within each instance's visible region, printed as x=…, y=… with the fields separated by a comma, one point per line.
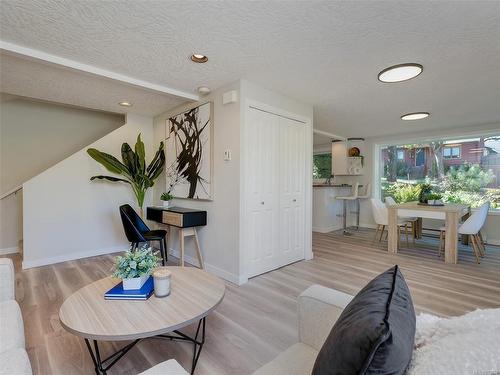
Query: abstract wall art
x=189, y=153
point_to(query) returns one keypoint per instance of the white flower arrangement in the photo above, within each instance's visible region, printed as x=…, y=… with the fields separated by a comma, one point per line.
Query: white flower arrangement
x=135, y=263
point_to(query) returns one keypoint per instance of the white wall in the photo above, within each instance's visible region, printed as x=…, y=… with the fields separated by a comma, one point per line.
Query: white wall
x=66, y=216
x=36, y=135
x=219, y=239
x=11, y=227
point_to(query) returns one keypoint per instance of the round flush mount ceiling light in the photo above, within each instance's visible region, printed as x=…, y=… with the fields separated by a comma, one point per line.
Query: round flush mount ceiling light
x=400, y=72
x=415, y=116
x=198, y=58
x=125, y=104
x=203, y=90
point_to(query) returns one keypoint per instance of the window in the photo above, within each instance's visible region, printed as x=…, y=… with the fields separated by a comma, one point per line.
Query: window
x=420, y=157
x=401, y=154
x=459, y=170
x=451, y=152
x=322, y=165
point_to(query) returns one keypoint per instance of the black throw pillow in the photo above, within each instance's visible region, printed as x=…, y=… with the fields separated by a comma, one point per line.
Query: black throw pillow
x=374, y=334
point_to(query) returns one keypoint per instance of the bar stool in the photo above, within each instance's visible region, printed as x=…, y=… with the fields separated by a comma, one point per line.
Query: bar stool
x=345, y=198
x=366, y=195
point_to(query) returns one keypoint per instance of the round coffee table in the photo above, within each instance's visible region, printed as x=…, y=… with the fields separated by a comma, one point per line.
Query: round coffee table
x=194, y=294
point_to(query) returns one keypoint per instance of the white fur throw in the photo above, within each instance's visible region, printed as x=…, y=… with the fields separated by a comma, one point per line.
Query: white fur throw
x=467, y=344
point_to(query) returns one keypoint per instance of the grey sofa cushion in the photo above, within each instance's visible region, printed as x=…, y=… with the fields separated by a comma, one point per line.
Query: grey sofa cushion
x=375, y=333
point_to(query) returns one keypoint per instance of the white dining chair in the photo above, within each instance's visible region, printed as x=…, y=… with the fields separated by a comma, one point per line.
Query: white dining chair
x=351, y=197
x=389, y=201
x=381, y=216
x=472, y=227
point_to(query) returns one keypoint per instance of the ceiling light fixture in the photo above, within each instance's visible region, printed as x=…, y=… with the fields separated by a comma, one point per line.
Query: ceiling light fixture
x=125, y=104
x=203, y=90
x=415, y=116
x=400, y=72
x=198, y=58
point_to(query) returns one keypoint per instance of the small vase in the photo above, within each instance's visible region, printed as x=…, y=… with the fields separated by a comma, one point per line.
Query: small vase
x=166, y=204
x=135, y=283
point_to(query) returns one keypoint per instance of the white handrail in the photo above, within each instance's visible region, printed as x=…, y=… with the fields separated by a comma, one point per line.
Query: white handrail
x=10, y=192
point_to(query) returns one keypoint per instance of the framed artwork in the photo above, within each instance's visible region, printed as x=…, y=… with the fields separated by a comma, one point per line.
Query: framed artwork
x=189, y=153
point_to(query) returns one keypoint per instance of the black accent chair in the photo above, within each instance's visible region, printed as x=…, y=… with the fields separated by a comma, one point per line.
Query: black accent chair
x=137, y=231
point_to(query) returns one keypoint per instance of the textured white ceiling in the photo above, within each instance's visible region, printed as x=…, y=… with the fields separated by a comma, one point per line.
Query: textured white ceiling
x=44, y=81
x=321, y=52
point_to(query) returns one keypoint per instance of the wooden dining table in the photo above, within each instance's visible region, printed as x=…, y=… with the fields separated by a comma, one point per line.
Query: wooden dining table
x=451, y=213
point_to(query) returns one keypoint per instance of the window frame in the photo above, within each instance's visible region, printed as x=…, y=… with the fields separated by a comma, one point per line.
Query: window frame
x=451, y=148
x=379, y=145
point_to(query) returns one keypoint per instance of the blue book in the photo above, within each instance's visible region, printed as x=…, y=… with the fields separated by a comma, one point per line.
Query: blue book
x=117, y=292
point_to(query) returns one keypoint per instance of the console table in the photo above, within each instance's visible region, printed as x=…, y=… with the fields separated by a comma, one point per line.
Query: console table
x=185, y=220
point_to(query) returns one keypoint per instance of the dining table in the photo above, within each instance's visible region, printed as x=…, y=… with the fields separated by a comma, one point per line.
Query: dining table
x=451, y=213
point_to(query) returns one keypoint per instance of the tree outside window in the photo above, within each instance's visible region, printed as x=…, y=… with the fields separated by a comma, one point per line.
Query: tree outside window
x=461, y=170
x=322, y=165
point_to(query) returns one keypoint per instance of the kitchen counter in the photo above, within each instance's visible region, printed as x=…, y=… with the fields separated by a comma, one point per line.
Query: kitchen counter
x=327, y=211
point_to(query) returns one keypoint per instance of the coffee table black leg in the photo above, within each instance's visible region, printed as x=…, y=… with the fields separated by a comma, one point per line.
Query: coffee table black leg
x=102, y=366
x=198, y=340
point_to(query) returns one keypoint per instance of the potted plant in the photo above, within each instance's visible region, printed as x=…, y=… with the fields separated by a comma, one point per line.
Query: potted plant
x=133, y=168
x=166, y=198
x=135, y=267
x=425, y=191
x=434, y=199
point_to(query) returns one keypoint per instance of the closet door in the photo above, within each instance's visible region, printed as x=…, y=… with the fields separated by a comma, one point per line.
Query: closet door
x=292, y=185
x=262, y=191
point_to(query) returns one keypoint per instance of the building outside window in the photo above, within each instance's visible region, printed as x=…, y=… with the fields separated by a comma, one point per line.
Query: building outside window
x=451, y=152
x=401, y=154
x=460, y=170
x=322, y=165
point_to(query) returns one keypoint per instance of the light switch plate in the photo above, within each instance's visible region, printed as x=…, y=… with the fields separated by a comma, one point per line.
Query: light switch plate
x=227, y=155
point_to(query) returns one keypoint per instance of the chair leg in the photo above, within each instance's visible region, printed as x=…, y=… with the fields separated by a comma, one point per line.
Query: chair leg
x=357, y=214
x=381, y=233
x=475, y=248
x=376, y=232
x=162, y=252
x=413, y=231
x=406, y=234
x=441, y=240
x=482, y=241
x=166, y=249
x=479, y=245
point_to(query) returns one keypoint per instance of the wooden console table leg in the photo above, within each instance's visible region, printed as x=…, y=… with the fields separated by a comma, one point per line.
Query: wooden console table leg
x=450, y=246
x=393, y=231
x=198, y=250
x=181, y=241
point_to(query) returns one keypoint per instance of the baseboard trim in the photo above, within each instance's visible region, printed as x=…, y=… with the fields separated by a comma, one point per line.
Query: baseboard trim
x=325, y=229
x=228, y=276
x=9, y=250
x=492, y=241
x=73, y=256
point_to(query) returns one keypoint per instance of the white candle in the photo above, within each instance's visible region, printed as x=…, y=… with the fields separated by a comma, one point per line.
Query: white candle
x=162, y=277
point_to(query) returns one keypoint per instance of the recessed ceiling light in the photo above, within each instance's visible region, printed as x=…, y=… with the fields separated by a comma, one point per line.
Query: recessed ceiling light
x=415, y=116
x=203, y=90
x=400, y=72
x=197, y=58
x=125, y=104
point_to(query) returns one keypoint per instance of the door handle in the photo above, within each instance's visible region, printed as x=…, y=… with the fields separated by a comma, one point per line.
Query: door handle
x=262, y=202
x=295, y=200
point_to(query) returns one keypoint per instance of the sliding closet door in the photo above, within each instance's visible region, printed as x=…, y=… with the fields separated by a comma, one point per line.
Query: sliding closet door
x=262, y=191
x=291, y=185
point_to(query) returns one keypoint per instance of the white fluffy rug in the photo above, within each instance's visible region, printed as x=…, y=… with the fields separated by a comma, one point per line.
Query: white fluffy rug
x=467, y=344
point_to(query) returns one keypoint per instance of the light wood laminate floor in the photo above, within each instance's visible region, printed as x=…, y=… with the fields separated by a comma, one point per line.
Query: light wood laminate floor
x=257, y=320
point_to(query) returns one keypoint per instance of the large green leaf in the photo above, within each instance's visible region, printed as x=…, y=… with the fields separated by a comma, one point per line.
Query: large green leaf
x=109, y=162
x=109, y=178
x=140, y=153
x=158, y=154
x=128, y=157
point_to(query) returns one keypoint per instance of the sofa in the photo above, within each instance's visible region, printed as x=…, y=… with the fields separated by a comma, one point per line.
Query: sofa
x=318, y=309
x=13, y=356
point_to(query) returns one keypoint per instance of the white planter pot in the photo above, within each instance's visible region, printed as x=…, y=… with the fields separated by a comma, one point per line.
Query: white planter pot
x=135, y=283
x=166, y=203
